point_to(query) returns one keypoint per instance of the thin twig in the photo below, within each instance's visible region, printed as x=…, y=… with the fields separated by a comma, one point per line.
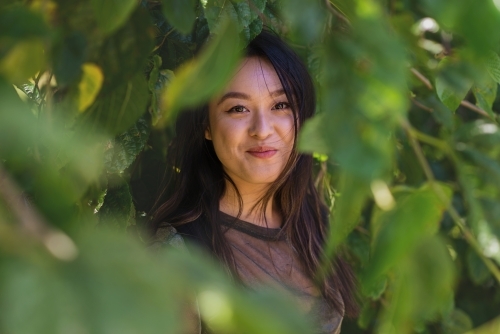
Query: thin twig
x=476, y=109
x=420, y=105
x=422, y=78
x=336, y=13
x=439, y=192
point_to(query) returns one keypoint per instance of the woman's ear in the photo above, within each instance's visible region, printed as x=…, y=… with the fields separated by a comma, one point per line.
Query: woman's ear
x=208, y=134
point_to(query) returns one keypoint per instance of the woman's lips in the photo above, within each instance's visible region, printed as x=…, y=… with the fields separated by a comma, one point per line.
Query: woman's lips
x=262, y=152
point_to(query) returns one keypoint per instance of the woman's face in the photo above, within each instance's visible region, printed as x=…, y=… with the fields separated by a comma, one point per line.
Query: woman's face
x=251, y=124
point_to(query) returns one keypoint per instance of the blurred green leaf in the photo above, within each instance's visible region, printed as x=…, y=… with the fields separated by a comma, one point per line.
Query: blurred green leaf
x=367, y=315
x=123, y=150
x=476, y=268
x=491, y=327
x=112, y=14
x=124, y=54
x=423, y=287
x=416, y=215
x=485, y=93
x=180, y=13
x=199, y=79
x=346, y=217
x=477, y=24
x=307, y=18
x=458, y=322
x=69, y=56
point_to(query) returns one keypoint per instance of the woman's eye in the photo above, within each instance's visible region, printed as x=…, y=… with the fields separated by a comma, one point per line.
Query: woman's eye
x=238, y=109
x=281, y=105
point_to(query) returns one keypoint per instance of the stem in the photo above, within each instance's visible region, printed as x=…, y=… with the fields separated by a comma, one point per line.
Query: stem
x=422, y=78
x=476, y=109
x=421, y=106
x=336, y=13
x=469, y=237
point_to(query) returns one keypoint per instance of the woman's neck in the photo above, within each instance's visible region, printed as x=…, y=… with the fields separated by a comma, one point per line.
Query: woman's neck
x=230, y=205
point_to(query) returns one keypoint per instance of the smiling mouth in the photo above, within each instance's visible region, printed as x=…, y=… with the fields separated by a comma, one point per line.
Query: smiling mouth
x=262, y=152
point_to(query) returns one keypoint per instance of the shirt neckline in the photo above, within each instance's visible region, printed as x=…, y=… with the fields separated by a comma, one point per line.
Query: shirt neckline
x=256, y=231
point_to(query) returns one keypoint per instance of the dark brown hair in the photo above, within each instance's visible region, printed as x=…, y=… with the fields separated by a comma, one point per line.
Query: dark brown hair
x=198, y=181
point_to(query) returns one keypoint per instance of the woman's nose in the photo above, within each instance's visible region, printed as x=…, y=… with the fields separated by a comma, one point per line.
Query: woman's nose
x=261, y=125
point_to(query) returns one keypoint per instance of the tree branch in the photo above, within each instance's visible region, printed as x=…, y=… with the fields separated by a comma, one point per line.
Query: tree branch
x=476, y=109
x=422, y=78
x=336, y=13
x=469, y=237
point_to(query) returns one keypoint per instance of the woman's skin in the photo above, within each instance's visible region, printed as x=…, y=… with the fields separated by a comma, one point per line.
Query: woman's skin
x=252, y=129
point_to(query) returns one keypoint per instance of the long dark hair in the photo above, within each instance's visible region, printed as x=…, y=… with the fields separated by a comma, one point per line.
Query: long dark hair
x=198, y=182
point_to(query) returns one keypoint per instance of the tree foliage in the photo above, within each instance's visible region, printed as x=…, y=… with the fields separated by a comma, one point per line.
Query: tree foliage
x=406, y=142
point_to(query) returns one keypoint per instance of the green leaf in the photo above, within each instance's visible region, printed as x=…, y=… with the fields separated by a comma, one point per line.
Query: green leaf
x=452, y=83
x=125, y=53
x=416, y=215
x=244, y=13
x=123, y=150
x=310, y=138
x=23, y=61
x=118, y=209
x=457, y=323
x=353, y=194
x=450, y=97
x=485, y=93
x=492, y=62
x=180, y=13
x=489, y=165
x=19, y=22
x=307, y=19
x=112, y=14
x=119, y=109
x=198, y=80
x=489, y=242
x=367, y=315
x=89, y=86
x=69, y=56
x=476, y=268
x=422, y=288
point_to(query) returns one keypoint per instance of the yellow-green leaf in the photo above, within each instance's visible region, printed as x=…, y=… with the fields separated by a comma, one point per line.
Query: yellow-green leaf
x=23, y=61
x=89, y=86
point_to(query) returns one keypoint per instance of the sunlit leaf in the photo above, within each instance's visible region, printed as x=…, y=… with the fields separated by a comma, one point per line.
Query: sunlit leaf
x=24, y=60
x=89, y=85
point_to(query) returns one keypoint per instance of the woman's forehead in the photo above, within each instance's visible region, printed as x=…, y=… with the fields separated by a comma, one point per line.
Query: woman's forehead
x=255, y=72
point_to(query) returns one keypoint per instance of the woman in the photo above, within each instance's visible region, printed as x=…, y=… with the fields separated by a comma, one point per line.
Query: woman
x=243, y=191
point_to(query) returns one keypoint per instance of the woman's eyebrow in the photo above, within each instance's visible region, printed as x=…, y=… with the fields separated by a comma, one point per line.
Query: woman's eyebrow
x=239, y=95
x=234, y=95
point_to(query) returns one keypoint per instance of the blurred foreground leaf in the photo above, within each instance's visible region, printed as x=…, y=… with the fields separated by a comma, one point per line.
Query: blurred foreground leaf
x=201, y=78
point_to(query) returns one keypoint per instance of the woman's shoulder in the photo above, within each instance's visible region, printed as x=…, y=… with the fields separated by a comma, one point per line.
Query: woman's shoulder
x=166, y=236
